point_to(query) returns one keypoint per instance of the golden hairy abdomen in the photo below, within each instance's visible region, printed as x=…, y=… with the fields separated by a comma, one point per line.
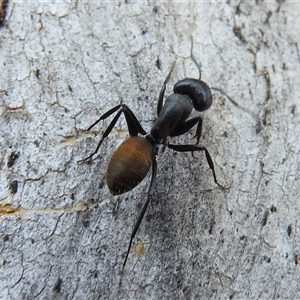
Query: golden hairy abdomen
x=129, y=165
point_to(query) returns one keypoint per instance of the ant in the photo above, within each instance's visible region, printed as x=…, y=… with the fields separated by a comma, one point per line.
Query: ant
x=132, y=160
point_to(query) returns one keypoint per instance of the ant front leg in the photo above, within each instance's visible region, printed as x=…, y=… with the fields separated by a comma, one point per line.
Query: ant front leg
x=192, y=148
x=187, y=125
x=162, y=91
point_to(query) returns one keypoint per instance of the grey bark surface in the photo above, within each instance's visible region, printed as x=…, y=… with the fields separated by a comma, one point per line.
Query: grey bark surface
x=64, y=236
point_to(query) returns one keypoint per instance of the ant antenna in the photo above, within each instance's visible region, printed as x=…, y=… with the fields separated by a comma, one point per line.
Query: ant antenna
x=199, y=68
x=228, y=97
x=194, y=59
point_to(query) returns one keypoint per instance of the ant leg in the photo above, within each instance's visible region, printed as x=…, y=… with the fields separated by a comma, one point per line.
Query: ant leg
x=105, y=134
x=187, y=125
x=142, y=213
x=106, y=115
x=162, y=91
x=134, y=126
x=192, y=148
x=198, y=131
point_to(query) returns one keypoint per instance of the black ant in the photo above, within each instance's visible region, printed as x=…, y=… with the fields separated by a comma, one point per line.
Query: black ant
x=131, y=161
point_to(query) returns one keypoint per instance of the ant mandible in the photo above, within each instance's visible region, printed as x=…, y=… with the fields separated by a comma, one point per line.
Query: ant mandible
x=131, y=161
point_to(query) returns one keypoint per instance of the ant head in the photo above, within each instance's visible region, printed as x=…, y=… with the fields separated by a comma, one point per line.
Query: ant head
x=197, y=90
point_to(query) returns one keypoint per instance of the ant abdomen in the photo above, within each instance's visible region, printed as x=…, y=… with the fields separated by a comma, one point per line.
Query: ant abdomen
x=129, y=165
x=197, y=90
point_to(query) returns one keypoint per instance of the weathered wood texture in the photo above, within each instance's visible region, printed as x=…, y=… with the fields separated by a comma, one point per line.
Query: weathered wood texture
x=62, y=236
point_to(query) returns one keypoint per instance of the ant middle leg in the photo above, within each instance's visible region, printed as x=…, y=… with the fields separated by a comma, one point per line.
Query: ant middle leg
x=134, y=126
x=193, y=148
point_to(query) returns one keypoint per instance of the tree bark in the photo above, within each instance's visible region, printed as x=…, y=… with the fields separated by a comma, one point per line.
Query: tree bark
x=64, y=236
